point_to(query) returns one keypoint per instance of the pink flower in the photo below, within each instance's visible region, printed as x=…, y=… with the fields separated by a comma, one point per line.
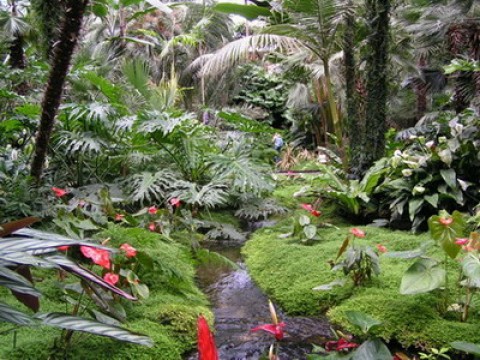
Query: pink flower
x=274, y=329
x=152, y=210
x=462, y=241
x=340, y=345
x=59, y=192
x=307, y=207
x=152, y=226
x=175, y=202
x=63, y=248
x=357, y=232
x=130, y=251
x=382, y=248
x=111, y=278
x=98, y=256
x=119, y=217
x=207, y=349
x=445, y=221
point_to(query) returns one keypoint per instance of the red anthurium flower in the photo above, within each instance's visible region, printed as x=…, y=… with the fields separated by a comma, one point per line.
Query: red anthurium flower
x=357, y=232
x=382, y=248
x=99, y=256
x=152, y=226
x=307, y=207
x=445, y=221
x=119, y=217
x=111, y=278
x=315, y=213
x=207, y=349
x=462, y=241
x=59, y=192
x=152, y=210
x=340, y=345
x=130, y=251
x=274, y=329
x=175, y=202
x=63, y=248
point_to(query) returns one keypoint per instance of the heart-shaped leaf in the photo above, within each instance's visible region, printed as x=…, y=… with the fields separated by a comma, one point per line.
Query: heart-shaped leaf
x=423, y=276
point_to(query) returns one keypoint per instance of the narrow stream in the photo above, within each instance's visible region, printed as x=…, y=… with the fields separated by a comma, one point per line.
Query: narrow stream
x=239, y=305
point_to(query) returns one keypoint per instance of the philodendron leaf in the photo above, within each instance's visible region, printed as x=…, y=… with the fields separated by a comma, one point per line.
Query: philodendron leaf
x=362, y=320
x=423, y=276
x=372, y=350
x=445, y=229
x=76, y=323
x=467, y=347
x=471, y=269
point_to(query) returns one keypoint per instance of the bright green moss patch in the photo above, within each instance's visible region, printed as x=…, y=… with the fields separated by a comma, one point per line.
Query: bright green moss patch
x=168, y=316
x=288, y=271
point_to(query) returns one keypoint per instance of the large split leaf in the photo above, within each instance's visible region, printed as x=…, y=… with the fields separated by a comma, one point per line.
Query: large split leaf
x=423, y=276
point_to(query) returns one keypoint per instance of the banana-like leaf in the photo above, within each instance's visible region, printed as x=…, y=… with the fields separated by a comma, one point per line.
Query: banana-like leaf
x=11, y=315
x=72, y=267
x=76, y=323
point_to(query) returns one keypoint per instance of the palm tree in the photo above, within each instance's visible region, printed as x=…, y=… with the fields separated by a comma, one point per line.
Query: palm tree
x=311, y=36
x=62, y=55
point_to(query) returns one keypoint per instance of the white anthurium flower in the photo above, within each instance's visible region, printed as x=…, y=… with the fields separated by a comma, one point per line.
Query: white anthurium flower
x=417, y=190
x=407, y=172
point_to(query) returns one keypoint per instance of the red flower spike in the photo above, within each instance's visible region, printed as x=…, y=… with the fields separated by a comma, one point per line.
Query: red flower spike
x=111, y=278
x=152, y=210
x=462, y=241
x=357, y=232
x=445, y=221
x=59, y=192
x=130, y=251
x=175, y=202
x=207, y=349
x=63, y=248
x=274, y=329
x=382, y=248
x=98, y=256
x=307, y=207
x=119, y=217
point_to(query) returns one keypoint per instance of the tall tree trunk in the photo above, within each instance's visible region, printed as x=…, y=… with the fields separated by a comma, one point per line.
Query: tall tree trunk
x=353, y=131
x=378, y=13
x=62, y=56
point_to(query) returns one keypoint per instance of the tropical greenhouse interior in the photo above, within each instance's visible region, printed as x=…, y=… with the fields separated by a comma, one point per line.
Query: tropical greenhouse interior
x=240, y=180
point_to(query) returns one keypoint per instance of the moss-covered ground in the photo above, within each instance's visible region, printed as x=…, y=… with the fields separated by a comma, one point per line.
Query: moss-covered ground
x=288, y=270
x=168, y=316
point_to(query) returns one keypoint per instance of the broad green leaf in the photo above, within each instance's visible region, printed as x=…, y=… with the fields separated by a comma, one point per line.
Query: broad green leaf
x=331, y=285
x=471, y=269
x=432, y=199
x=445, y=235
x=362, y=320
x=372, y=350
x=11, y=315
x=423, y=276
x=250, y=12
x=450, y=177
x=467, y=347
x=310, y=231
x=414, y=207
x=90, y=326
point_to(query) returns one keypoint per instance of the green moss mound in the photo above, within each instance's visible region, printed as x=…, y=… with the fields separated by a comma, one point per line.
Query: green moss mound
x=168, y=316
x=288, y=271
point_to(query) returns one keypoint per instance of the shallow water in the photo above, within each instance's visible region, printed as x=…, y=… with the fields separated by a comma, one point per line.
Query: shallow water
x=239, y=305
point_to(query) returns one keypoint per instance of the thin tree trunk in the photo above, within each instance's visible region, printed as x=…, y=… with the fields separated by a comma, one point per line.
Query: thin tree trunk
x=378, y=12
x=421, y=92
x=62, y=56
x=353, y=131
